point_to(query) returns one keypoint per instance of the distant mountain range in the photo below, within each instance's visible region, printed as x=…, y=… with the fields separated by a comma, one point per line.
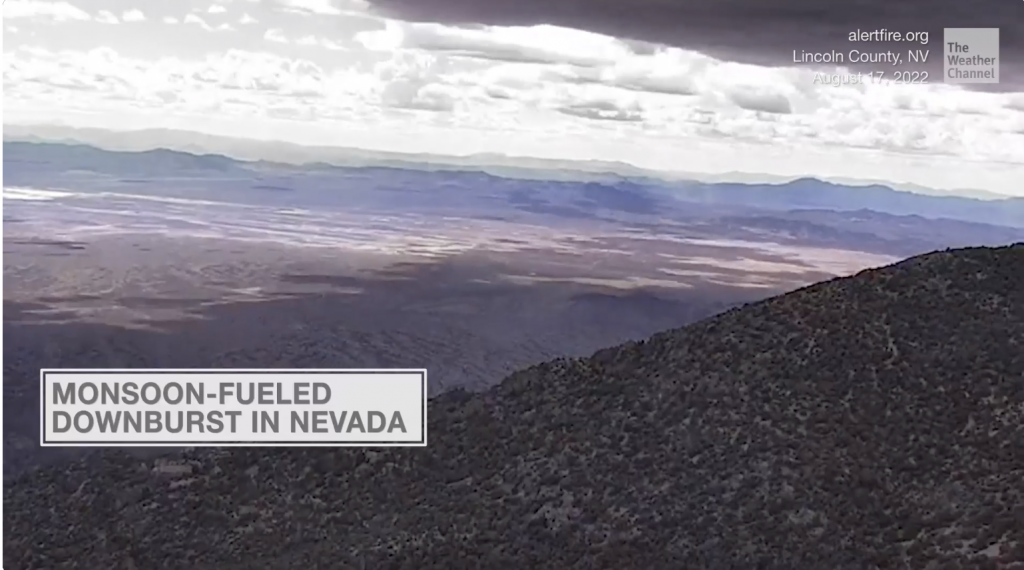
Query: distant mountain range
x=496, y=164
x=41, y=163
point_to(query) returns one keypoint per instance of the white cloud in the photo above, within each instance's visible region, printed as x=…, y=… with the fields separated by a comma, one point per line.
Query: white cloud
x=306, y=41
x=170, y=20
x=275, y=35
x=216, y=9
x=60, y=11
x=198, y=21
x=193, y=19
x=246, y=19
x=334, y=46
x=390, y=38
x=107, y=17
x=538, y=44
x=133, y=16
x=323, y=7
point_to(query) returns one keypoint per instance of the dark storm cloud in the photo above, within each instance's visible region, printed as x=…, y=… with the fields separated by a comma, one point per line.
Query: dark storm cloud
x=750, y=31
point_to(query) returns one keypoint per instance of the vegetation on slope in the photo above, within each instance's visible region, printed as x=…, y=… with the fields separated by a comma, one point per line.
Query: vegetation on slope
x=868, y=422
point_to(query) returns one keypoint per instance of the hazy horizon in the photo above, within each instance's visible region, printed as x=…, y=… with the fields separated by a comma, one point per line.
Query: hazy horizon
x=280, y=151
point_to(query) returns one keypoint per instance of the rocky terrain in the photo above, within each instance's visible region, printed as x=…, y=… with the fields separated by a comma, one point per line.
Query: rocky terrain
x=869, y=422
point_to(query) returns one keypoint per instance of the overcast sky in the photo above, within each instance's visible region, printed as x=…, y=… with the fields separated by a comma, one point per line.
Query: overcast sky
x=708, y=88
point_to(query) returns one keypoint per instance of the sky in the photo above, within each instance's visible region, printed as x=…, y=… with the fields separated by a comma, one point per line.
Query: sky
x=699, y=86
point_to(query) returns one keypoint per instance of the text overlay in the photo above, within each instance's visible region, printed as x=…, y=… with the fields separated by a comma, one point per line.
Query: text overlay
x=193, y=408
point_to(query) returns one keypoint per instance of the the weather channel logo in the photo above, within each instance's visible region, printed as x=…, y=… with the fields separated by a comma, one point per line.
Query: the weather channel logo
x=193, y=408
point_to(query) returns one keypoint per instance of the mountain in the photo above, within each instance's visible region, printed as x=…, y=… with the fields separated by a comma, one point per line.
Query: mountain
x=810, y=193
x=47, y=157
x=527, y=168
x=551, y=191
x=868, y=230
x=868, y=422
x=290, y=153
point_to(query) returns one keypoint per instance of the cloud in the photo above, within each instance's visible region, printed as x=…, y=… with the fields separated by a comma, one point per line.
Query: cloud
x=331, y=45
x=538, y=44
x=170, y=20
x=246, y=19
x=743, y=31
x=656, y=70
x=324, y=7
x=193, y=19
x=604, y=111
x=102, y=71
x=216, y=9
x=199, y=21
x=415, y=82
x=276, y=35
x=59, y=11
x=309, y=41
x=669, y=92
x=107, y=17
x=765, y=101
x=133, y=16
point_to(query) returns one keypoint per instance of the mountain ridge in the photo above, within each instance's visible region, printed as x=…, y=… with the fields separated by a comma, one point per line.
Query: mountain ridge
x=866, y=422
x=523, y=167
x=26, y=161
